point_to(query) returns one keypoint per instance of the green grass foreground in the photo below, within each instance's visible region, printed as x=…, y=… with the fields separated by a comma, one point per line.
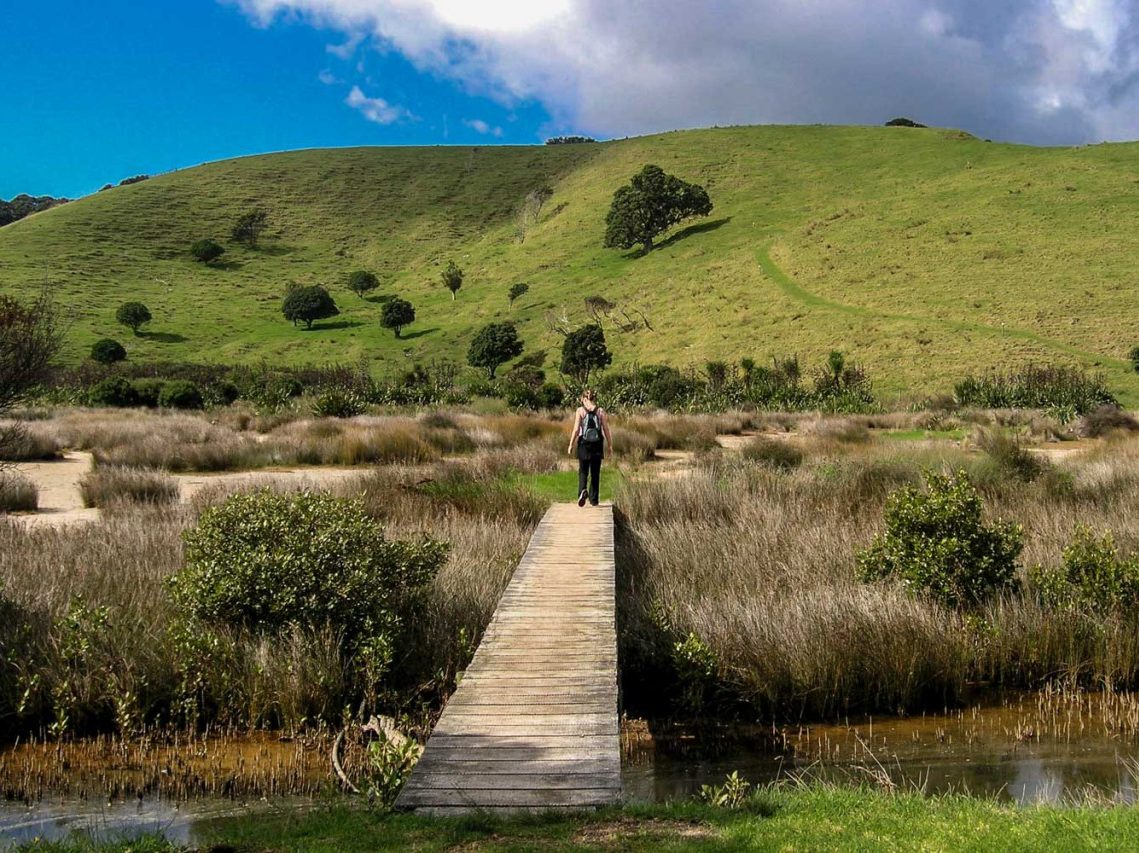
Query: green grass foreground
x=781, y=818
x=925, y=254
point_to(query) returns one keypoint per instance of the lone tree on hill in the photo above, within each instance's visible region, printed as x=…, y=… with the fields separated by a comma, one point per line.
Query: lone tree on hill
x=397, y=313
x=250, y=226
x=362, y=281
x=308, y=304
x=107, y=351
x=517, y=291
x=650, y=204
x=584, y=351
x=30, y=337
x=495, y=344
x=134, y=315
x=452, y=278
x=207, y=251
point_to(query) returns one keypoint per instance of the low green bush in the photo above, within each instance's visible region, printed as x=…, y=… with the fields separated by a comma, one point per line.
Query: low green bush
x=147, y=391
x=937, y=542
x=265, y=562
x=180, y=394
x=1010, y=456
x=108, y=351
x=113, y=391
x=1092, y=575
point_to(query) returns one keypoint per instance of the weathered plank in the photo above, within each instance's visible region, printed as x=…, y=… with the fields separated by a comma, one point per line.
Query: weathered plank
x=533, y=723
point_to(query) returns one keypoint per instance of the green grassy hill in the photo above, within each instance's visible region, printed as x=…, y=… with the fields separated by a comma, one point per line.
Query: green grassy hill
x=926, y=254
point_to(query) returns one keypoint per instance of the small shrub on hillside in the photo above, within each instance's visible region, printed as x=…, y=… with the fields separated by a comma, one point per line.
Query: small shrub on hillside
x=1092, y=575
x=1106, y=420
x=107, y=486
x=249, y=227
x=180, y=394
x=113, y=391
x=937, y=542
x=362, y=281
x=1133, y=356
x=494, y=345
x=339, y=404
x=133, y=315
x=108, y=351
x=772, y=453
x=206, y=251
x=265, y=562
x=17, y=493
x=396, y=314
x=147, y=391
x=308, y=304
x=452, y=277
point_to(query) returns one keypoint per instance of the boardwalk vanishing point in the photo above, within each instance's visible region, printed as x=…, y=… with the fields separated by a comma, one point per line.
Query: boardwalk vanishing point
x=533, y=723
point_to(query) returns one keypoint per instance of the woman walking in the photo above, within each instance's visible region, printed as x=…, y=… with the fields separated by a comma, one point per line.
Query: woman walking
x=591, y=432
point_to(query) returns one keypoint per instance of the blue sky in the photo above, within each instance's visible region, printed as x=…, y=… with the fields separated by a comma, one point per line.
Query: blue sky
x=97, y=90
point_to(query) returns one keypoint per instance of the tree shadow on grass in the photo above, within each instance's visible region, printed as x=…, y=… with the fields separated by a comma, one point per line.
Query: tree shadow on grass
x=163, y=337
x=692, y=230
x=418, y=333
x=339, y=324
x=380, y=300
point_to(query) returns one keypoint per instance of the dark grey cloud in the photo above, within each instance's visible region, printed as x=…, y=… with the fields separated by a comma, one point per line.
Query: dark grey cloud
x=1041, y=71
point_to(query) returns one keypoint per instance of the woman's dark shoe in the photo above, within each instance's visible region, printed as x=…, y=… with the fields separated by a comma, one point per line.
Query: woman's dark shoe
x=582, y=497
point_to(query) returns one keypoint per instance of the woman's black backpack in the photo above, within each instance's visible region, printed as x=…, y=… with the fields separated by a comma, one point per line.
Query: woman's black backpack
x=591, y=429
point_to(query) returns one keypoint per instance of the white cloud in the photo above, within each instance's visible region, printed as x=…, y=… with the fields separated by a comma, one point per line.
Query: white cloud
x=327, y=78
x=480, y=126
x=375, y=109
x=1034, y=70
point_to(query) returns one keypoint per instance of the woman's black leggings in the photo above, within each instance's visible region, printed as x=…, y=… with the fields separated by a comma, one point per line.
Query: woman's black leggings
x=589, y=474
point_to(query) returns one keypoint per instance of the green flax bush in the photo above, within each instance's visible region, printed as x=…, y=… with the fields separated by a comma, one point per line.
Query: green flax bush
x=937, y=542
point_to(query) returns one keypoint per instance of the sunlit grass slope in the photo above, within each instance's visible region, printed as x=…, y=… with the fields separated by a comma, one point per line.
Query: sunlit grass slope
x=925, y=253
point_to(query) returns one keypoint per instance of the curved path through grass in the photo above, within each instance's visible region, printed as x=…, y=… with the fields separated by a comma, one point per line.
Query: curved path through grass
x=795, y=291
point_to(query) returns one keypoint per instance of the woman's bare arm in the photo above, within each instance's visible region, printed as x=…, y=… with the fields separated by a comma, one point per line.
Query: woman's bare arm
x=605, y=430
x=574, y=431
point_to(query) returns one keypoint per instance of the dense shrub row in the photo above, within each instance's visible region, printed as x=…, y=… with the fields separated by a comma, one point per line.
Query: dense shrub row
x=1069, y=391
x=836, y=387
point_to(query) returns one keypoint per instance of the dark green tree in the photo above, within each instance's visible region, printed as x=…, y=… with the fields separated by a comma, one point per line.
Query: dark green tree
x=107, y=351
x=452, y=278
x=250, y=226
x=397, y=313
x=494, y=345
x=133, y=315
x=584, y=351
x=207, y=251
x=1134, y=357
x=517, y=291
x=362, y=281
x=308, y=304
x=650, y=204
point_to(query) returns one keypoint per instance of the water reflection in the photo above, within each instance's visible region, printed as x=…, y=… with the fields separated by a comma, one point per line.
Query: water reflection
x=1048, y=747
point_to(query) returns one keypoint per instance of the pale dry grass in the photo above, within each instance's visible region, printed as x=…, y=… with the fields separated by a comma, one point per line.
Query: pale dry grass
x=759, y=565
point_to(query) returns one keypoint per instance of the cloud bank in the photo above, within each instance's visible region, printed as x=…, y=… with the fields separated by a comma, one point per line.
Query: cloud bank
x=1040, y=71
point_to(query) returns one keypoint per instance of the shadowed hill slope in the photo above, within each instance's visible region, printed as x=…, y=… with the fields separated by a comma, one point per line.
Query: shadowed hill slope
x=926, y=254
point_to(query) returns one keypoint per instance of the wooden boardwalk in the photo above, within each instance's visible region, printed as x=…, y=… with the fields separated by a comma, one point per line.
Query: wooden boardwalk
x=533, y=723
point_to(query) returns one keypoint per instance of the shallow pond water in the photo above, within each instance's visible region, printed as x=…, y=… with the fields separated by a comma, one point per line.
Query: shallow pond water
x=1050, y=746
x=1047, y=747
